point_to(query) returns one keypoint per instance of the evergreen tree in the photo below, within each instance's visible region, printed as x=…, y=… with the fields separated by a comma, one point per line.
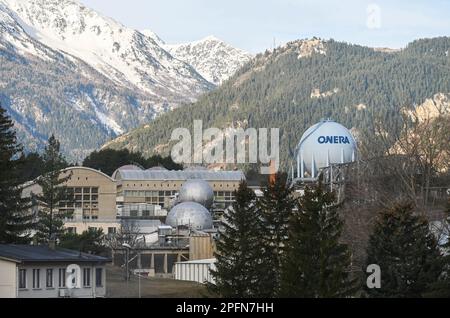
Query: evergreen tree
x=51, y=221
x=90, y=241
x=441, y=288
x=240, y=264
x=276, y=206
x=406, y=251
x=16, y=220
x=315, y=263
x=33, y=167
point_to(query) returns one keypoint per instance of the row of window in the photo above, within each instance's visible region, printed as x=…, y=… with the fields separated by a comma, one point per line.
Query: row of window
x=163, y=194
x=82, y=190
x=224, y=195
x=49, y=282
x=73, y=230
x=168, y=185
x=149, y=194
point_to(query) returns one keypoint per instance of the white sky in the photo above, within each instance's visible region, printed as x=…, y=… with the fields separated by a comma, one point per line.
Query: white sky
x=253, y=24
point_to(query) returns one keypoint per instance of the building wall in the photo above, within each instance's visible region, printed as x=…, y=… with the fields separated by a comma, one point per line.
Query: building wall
x=201, y=247
x=195, y=271
x=80, y=227
x=94, y=194
x=8, y=279
x=161, y=192
x=54, y=292
x=105, y=207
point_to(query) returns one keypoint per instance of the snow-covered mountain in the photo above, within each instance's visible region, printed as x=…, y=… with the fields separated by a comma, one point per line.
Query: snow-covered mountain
x=214, y=59
x=123, y=54
x=48, y=91
x=66, y=69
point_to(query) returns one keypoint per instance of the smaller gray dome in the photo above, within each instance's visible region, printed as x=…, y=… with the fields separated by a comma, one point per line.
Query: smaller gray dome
x=190, y=214
x=198, y=191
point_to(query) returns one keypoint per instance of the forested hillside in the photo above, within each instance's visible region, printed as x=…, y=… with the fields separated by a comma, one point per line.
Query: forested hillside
x=296, y=85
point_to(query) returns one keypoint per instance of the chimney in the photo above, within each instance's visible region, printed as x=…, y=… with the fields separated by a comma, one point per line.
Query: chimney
x=273, y=174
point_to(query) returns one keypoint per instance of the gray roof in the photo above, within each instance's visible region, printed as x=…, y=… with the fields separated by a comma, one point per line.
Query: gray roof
x=32, y=253
x=180, y=175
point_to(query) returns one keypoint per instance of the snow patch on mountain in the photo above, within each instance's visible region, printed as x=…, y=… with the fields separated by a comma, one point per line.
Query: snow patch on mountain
x=214, y=59
x=153, y=36
x=120, y=53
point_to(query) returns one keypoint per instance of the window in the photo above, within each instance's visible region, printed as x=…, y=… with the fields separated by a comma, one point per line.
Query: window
x=72, y=230
x=22, y=278
x=98, y=277
x=49, y=280
x=111, y=230
x=36, y=278
x=94, y=190
x=133, y=213
x=86, y=277
x=62, y=278
x=94, y=214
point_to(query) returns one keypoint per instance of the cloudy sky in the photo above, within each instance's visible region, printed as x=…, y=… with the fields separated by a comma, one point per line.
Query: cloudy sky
x=254, y=25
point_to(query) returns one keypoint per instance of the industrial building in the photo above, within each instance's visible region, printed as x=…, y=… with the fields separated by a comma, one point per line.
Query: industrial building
x=91, y=198
x=158, y=186
x=169, y=214
x=101, y=202
x=188, y=234
x=28, y=271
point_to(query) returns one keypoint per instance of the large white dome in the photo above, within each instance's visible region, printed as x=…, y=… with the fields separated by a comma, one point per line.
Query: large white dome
x=198, y=191
x=190, y=214
x=323, y=144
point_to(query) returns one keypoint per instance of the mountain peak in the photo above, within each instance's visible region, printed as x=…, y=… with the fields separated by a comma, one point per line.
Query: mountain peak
x=214, y=59
x=210, y=38
x=122, y=54
x=153, y=36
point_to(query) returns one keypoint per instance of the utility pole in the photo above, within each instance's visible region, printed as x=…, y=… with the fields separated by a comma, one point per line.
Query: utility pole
x=127, y=256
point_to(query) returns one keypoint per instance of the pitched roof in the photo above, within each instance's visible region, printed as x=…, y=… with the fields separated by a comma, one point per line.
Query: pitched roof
x=33, y=253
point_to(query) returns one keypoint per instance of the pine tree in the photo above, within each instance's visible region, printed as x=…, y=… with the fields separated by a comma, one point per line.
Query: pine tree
x=315, y=263
x=240, y=263
x=51, y=221
x=276, y=206
x=441, y=288
x=90, y=241
x=406, y=251
x=16, y=220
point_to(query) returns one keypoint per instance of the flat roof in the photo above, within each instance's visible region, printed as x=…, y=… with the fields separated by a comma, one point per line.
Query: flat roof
x=34, y=253
x=200, y=261
x=179, y=175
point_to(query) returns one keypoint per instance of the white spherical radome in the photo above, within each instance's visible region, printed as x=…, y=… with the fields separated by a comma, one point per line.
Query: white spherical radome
x=190, y=214
x=198, y=191
x=325, y=143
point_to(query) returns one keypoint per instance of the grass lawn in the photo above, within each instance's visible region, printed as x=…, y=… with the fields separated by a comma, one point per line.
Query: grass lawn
x=117, y=287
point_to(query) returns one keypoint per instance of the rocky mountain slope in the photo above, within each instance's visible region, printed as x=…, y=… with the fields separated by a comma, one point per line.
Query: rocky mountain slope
x=124, y=55
x=304, y=81
x=66, y=69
